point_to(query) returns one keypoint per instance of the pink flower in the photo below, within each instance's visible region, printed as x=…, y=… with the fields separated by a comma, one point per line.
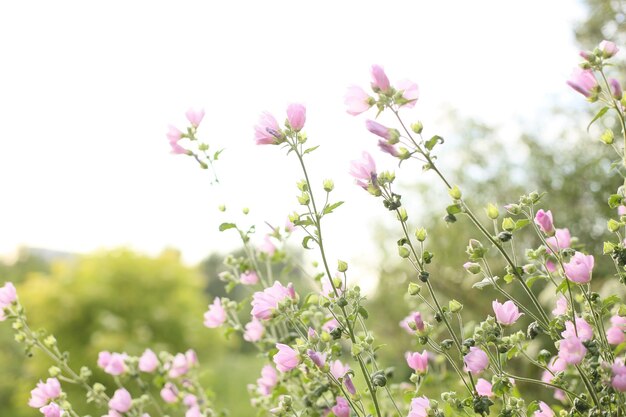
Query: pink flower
x=419, y=407
x=112, y=413
x=616, y=89
x=296, y=115
x=193, y=412
x=550, y=266
x=543, y=219
x=619, y=321
x=557, y=364
x=51, y=410
x=572, y=350
x=286, y=359
x=583, y=81
x=507, y=313
x=410, y=92
x=483, y=387
x=266, y=131
x=44, y=392
x=148, y=362
x=561, y=240
x=615, y=335
x=357, y=100
x=8, y=295
x=619, y=382
x=169, y=393
x=249, y=278
x=608, y=48
x=415, y=317
x=327, y=287
x=267, y=246
x=417, y=361
x=195, y=116
x=363, y=170
x=544, y=410
x=381, y=130
x=330, y=325
x=191, y=358
x=265, y=303
x=342, y=408
x=216, y=315
x=387, y=148
x=177, y=149
x=379, y=79
x=174, y=134
x=339, y=371
x=579, y=268
x=190, y=400
x=621, y=210
x=289, y=226
x=561, y=306
x=476, y=360
x=254, y=331
x=585, y=332
x=268, y=380
x=121, y=401
x=104, y=358
x=112, y=363
x=318, y=358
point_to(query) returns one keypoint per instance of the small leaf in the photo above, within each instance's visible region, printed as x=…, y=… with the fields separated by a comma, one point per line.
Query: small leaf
x=432, y=142
x=454, y=209
x=216, y=155
x=521, y=224
x=610, y=301
x=530, y=281
x=484, y=283
x=508, y=278
x=601, y=113
x=311, y=149
x=329, y=209
x=363, y=312
x=305, y=242
x=226, y=226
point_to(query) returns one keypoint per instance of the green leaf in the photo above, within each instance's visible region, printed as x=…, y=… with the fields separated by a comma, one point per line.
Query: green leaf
x=310, y=149
x=363, y=312
x=521, y=224
x=305, y=242
x=329, y=209
x=508, y=278
x=484, y=283
x=432, y=142
x=226, y=226
x=216, y=155
x=610, y=301
x=562, y=287
x=530, y=281
x=454, y=209
x=601, y=113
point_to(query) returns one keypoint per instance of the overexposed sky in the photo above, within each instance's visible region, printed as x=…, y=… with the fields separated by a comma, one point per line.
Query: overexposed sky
x=87, y=90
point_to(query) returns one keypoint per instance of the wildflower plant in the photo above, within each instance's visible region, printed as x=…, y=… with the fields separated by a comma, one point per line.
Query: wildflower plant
x=320, y=356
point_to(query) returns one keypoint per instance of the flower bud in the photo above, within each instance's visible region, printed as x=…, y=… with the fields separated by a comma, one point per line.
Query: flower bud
x=608, y=137
x=508, y=224
x=342, y=266
x=54, y=371
x=492, y=211
x=608, y=49
x=403, y=252
x=414, y=289
x=455, y=192
x=420, y=234
x=417, y=127
x=616, y=89
x=329, y=185
x=424, y=276
x=513, y=209
x=472, y=267
x=455, y=306
x=613, y=225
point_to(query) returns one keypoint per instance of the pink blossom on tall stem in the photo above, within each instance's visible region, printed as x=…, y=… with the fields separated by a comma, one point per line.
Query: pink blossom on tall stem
x=379, y=79
x=177, y=149
x=249, y=278
x=339, y=371
x=572, y=350
x=267, y=246
x=193, y=412
x=621, y=210
x=410, y=92
x=363, y=170
x=415, y=317
x=8, y=295
x=618, y=370
x=484, y=388
x=616, y=89
x=381, y=130
x=615, y=335
x=561, y=306
x=44, y=392
x=583, y=330
x=121, y=401
x=181, y=363
x=417, y=361
x=169, y=393
x=583, y=81
x=544, y=410
x=475, y=360
x=195, y=116
x=543, y=219
x=148, y=362
x=419, y=407
x=286, y=359
x=561, y=240
x=357, y=100
x=341, y=408
x=264, y=303
x=330, y=325
x=387, y=148
x=266, y=131
x=112, y=363
x=507, y=313
x=253, y=331
x=579, y=268
x=51, y=410
x=318, y=358
x=268, y=380
x=296, y=115
x=608, y=48
x=216, y=315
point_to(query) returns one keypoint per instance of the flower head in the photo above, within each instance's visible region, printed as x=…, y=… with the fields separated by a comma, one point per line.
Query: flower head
x=416, y=318
x=8, y=295
x=561, y=306
x=583, y=330
x=266, y=131
x=264, y=303
x=249, y=278
x=475, y=360
x=561, y=240
x=507, y=313
x=51, y=410
x=616, y=89
x=253, y=331
x=383, y=131
x=216, y=315
x=148, y=362
x=318, y=358
x=417, y=361
x=296, y=116
x=121, y=401
x=543, y=219
x=410, y=93
x=169, y=393
x=44, y=392
x=364, y=170
x=484, y=388
x=419, y=407
x=544, y=410
x=380, y=82
x=195, y=116
x=268, y=380
x=341, y=408
x=583, y=81
x=608, y=48
x=579, y=268
x=286, y=359
x=572, y=350
x=357, y=100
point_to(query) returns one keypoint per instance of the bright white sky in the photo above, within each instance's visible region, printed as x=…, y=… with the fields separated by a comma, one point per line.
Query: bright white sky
x=88, y=89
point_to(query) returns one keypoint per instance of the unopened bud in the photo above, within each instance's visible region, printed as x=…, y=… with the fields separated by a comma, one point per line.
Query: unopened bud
x=342, y=266
x=455, y=306
x=508, y=224
x=329, y=185
x=417, y=127
x=414, y=288
x=608, y=137
x=455, y=193
x=420, y=234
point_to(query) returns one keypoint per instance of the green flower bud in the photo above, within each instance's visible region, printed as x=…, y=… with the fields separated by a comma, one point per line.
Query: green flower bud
x=414, y=288
x=342, y=266
x=472, y=267
x=613, y=225
x=402, y=215
x=492, y=211
x=54, y=371
x=608, y=137
x=420, y=234
x=245, y=210
x=424, y=276
x=446, y=344
x=302, y=185
x=508, y=224
x=417, y=127
x=455, y=306
x=455, y=192
x=403, y=252
x=329, y=185
x=50, y=341
x=304, y=199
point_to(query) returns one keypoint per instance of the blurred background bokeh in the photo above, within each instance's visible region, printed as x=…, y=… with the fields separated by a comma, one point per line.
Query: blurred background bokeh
x=122, y=300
